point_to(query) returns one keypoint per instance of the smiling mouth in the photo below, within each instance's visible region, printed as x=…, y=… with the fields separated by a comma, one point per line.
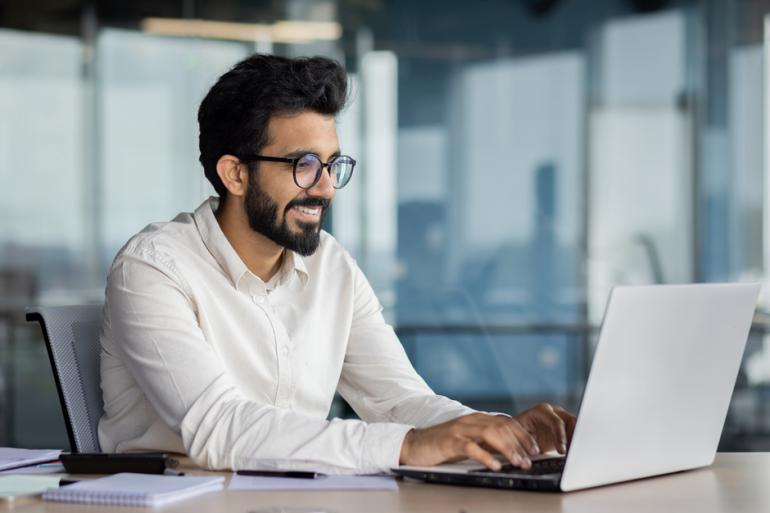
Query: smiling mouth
x=308, y=213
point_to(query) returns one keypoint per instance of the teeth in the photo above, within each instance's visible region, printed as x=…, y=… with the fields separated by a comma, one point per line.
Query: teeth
x=309, y=211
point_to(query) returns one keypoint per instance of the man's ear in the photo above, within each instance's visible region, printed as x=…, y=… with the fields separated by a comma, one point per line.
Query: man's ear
x=234, y=174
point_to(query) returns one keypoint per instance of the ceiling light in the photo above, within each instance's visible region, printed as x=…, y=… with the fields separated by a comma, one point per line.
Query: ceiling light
x=279, y=32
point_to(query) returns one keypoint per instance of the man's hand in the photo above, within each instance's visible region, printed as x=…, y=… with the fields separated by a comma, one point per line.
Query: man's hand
x=479, y=436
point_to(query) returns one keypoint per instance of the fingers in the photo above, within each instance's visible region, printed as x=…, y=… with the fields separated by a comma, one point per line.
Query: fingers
x=558, y=428
x=569, y=422
x=506, y=436
x=524, y=437
x=548, y=427
x=473, y=450
x=512, y=427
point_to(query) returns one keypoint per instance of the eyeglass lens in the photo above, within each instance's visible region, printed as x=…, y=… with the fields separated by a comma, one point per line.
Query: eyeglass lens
x=307, y=171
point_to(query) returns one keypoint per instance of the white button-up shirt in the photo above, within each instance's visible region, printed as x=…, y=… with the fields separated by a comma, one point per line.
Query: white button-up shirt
x=200, y=356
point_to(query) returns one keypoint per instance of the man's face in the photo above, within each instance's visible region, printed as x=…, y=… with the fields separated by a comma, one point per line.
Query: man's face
x=275, y=206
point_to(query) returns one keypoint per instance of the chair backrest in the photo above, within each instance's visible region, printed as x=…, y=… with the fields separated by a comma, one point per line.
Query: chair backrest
x=72, y=338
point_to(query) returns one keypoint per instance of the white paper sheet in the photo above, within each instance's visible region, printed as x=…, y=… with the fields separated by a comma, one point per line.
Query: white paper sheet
x=239, y=482
x=43, y=468
x=13, y=458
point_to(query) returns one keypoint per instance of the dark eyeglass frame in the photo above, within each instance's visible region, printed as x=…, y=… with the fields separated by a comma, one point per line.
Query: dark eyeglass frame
x=295, y=161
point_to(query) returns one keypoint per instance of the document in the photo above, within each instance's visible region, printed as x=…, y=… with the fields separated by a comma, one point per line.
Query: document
x=238, y=482
x=40, y=468
x=14, y=458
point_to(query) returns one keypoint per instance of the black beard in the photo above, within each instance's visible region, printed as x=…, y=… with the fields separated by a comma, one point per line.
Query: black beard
x=262, y=213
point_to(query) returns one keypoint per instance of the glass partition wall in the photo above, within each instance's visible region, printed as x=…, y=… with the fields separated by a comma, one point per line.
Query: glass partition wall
x=517, y=159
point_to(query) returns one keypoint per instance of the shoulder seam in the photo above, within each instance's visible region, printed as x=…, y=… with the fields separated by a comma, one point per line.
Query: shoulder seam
x=161, y=259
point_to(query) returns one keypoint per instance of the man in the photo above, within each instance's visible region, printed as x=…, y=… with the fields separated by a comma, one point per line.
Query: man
x=227, y=331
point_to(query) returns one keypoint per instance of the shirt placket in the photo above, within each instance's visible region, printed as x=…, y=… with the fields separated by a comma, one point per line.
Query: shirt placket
x=283, y=396
x=282, y=346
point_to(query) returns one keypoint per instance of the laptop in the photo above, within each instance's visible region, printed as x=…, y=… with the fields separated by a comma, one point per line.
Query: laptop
x=656, y=397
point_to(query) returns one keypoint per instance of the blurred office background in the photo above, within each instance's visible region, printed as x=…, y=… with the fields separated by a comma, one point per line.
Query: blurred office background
x=517, y=159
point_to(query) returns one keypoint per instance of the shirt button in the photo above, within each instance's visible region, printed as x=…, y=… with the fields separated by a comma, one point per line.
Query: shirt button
x=259, y=299
x=285, y=351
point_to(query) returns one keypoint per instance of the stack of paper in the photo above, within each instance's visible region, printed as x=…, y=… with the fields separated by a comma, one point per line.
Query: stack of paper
x=14, y=458
x=129, y=489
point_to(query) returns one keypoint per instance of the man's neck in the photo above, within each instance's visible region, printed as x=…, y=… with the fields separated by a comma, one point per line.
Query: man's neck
x=261, y=255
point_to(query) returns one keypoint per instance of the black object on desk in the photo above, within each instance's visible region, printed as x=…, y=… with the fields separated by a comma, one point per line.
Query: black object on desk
x=281, y=473
x=110, y=463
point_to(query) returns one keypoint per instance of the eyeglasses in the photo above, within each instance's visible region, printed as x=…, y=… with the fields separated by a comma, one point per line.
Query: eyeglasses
x=307, y=168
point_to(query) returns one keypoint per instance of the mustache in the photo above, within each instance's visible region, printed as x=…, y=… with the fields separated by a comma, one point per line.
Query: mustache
x=309, y=202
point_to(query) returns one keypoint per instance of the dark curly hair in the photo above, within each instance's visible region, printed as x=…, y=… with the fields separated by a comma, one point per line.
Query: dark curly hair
x=234, y=115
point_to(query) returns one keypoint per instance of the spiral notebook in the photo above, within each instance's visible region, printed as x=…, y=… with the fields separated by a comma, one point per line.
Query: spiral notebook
x=140, y=490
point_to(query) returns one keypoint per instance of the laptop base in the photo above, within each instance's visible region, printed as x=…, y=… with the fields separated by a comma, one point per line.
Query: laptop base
x=547, y=483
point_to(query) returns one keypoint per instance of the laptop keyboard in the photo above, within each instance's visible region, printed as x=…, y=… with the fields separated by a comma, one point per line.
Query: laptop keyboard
x=540, y=467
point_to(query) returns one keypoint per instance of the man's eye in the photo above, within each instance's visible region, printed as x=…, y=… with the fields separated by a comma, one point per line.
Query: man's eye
x=308, y=162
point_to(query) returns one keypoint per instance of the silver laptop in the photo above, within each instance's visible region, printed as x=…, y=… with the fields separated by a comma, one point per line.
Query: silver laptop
x=656, y=397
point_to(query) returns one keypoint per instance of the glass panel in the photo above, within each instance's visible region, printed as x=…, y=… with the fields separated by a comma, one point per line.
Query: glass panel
x=640, y=159
x=149, y=92
x=43, y=234
x=41, y=161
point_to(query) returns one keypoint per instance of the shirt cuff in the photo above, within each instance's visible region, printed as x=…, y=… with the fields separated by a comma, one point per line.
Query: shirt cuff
x=382, y=446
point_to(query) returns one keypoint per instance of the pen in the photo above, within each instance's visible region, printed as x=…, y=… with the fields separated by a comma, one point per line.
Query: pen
x=281, y=473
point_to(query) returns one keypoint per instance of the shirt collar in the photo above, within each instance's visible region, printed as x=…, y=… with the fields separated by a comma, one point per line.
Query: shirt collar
x=223, y=252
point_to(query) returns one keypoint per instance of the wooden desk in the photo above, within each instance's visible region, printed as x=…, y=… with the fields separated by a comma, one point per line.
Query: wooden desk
x=736, y=483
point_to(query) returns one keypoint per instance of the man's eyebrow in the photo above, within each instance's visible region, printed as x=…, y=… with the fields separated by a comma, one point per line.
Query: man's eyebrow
x=304, y=151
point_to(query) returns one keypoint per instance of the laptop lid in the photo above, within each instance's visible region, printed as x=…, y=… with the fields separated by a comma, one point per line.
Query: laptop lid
x=660, y=382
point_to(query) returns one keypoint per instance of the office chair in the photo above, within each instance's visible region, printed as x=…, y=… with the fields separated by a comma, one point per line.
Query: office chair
x=72, y=338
